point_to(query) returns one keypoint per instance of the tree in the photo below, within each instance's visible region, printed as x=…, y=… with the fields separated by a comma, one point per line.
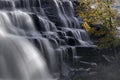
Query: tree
x=100, y=20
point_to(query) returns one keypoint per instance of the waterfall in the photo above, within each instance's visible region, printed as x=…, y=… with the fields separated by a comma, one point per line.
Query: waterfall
x=35, y=35
x=21, y=60
x=116, y=6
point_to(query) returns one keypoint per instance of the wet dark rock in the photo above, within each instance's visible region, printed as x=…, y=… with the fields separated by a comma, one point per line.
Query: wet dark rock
x=27, y=3
x=90, y=54
x=61, y=34
x=6, y=4
x=72, y=41
x=69, y=33
x=35, y=3
x=36, y=21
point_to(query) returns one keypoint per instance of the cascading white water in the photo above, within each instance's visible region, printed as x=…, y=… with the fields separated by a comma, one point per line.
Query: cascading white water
x=21, y=60
x=116, y=6
x=33, y=33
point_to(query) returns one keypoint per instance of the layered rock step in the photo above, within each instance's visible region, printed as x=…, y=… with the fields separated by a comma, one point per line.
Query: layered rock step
x=53, y=21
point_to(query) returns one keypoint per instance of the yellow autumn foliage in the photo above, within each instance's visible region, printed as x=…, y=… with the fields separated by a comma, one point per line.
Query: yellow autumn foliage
x=99, y=13
x=86, y=26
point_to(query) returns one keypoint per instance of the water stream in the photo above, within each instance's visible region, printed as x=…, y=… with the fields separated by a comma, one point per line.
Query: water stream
x=35, y=36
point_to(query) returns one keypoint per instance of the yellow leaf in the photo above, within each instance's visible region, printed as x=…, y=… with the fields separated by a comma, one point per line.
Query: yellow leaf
x=86, y=26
